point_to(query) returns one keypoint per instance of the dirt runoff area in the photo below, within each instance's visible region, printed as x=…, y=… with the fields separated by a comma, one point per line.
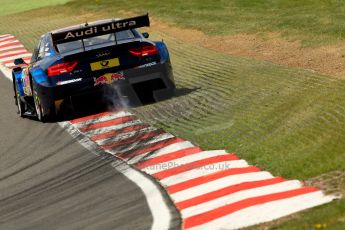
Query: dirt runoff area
x=329, y=60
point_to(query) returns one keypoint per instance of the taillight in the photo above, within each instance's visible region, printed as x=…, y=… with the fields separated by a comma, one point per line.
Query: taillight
x=144, y=51
x=62, y=68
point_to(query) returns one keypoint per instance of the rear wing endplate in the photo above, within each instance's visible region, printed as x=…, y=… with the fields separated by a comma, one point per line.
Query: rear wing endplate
x=89, y=31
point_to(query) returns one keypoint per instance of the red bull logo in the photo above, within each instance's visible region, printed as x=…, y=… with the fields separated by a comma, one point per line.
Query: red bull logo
x=108, y=78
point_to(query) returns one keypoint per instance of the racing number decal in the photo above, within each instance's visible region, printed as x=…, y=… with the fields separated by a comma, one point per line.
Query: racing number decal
x=105, y=64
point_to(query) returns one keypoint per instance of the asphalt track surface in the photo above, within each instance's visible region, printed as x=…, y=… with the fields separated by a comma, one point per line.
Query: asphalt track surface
x=49, y=181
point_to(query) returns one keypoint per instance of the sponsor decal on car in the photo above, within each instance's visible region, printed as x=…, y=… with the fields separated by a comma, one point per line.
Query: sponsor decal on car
x=108, y=78
x=97, y=29
x=103, y=28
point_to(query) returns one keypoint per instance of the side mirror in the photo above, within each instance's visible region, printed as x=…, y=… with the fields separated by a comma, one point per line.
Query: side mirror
x=146, y=35
x=19, y=61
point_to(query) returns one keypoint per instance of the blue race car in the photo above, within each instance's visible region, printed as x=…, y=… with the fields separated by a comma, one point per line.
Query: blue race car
x=77, y=64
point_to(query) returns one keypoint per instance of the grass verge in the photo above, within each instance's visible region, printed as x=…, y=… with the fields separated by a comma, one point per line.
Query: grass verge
x=313, y=22
x=11, y=7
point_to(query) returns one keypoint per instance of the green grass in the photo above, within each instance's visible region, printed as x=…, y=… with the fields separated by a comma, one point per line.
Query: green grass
x=10, y=6
x=287, y=121
x=330, y=216
x=313, y=22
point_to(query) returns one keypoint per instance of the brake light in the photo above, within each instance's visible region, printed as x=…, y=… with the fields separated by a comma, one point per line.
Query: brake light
x=144, y=51
x=62, y=68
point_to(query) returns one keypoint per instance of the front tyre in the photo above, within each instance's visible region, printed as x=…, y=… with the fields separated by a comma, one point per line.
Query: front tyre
x=19, y=103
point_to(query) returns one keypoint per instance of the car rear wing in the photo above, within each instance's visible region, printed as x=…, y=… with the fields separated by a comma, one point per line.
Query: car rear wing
x=88, y=31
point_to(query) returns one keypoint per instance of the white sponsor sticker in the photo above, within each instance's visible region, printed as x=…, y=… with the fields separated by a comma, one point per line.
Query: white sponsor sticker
x=148, y=65
x=69, y=81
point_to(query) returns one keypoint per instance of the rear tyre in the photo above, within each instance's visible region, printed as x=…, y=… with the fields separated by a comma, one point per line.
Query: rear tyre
x=43, y=117
x=38, y=107
x=49, y=113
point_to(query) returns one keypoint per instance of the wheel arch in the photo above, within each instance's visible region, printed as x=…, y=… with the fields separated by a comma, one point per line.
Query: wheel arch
x=16, y=79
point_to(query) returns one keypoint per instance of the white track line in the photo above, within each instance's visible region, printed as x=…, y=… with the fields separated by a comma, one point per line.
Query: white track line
x=158, y=207
x=7, y=73
x=241, y=195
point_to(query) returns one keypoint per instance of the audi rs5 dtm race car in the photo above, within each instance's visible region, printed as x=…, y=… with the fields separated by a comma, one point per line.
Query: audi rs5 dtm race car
x=83, y=60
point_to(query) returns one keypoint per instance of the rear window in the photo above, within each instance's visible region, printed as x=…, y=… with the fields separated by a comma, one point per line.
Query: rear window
x=95, y=42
